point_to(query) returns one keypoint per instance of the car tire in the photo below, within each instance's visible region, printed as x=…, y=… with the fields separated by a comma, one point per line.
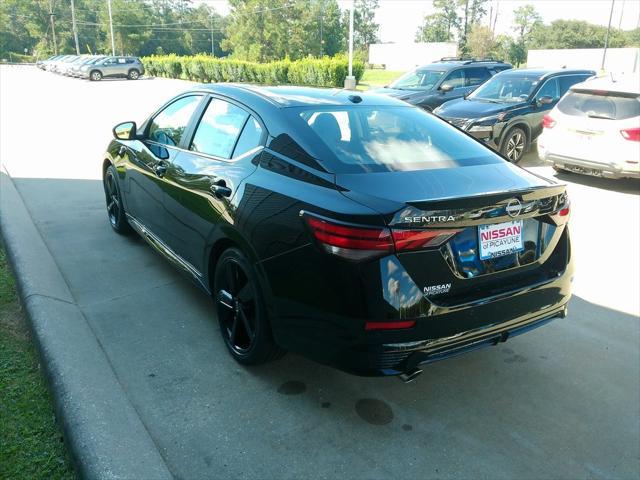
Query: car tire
x=515, y=144
x=115, y=207
x=95, y=76
x=133, y=74
x=243, y=320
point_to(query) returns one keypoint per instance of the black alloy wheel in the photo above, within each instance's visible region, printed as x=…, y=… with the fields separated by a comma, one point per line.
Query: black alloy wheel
x=115, y=208
x=515, y=145
x=242, y=317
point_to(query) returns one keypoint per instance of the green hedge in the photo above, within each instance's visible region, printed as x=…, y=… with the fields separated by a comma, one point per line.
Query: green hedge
x=319, y=72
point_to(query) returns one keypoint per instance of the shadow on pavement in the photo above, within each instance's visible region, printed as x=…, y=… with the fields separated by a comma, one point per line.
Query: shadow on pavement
x=560, y=401
x=623, y=185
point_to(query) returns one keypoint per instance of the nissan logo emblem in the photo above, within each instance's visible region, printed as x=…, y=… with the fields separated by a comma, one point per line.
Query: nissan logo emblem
x=514, y=208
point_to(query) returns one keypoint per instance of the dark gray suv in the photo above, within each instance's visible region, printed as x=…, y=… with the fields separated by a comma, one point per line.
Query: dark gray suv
x=431, y=85
x=109, y=67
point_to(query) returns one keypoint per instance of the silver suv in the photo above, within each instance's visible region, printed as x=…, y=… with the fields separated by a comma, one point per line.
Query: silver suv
x=109, y=67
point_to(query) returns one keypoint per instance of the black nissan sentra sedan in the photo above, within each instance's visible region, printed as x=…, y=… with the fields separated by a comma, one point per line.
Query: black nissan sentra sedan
x=351, y=228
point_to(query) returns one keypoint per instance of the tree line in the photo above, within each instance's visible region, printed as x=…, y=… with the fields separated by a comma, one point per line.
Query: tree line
x=466, y=22
x=256, y=30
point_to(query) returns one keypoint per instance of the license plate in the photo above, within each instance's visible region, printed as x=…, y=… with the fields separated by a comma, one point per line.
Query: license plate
x=584, y=171
x=500, y=239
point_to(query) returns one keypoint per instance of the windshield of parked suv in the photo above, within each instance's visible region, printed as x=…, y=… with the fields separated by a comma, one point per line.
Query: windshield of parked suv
x=606, y=105
x=420, y=79
x=505, y=89
x=380, y=139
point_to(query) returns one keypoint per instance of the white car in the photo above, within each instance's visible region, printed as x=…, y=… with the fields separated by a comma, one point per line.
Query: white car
x=595, y=129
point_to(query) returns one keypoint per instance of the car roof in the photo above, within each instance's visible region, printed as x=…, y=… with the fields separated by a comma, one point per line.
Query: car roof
x=450, y=64
x=543, y=72
x=622, y=84
x=292, y=96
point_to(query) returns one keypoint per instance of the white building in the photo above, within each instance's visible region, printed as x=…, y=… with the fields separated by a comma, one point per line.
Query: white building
x=405, y=56
x=618, y=60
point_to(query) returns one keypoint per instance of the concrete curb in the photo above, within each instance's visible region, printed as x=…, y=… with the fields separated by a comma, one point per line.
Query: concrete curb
x=103, y=430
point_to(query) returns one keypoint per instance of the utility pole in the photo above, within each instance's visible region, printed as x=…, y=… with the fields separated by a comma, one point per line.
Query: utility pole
x=606, y=39
x=212, y=52
x=621, y=14
x=350, y=81
x=75, y=28
x=53, y=27
x=321, y=28
x=113, y=43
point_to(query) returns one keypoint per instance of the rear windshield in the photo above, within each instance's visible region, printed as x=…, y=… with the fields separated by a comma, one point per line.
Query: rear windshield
x=607, y=105
x=378, y=139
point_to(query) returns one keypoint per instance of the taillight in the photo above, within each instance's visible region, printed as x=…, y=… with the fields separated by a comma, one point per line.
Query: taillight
x=358, y=242
x=354, y=243
x=417, y=239
x=562, y=215
x=548, y=122
x=632, y=134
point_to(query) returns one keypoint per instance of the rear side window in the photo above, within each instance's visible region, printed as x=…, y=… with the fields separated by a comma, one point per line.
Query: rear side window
x=249, y=138
x=475, y=76
x=608, y=105
x=218, y=129
x=378, y=139
x=169, y=125
x=567, y=81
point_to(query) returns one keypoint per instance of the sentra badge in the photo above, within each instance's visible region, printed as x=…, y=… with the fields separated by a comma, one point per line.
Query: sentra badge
x=431, y=219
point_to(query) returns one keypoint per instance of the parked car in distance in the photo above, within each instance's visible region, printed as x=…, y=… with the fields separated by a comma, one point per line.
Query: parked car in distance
x=42, y=64
x=351, y=228
x=431, y=85
x=65, y=68
x=506, y=112
x=111, y=67
x=76, y=69
x=595, y=129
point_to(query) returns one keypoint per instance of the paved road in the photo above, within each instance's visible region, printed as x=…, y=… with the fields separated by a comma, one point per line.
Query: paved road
x=559, y=402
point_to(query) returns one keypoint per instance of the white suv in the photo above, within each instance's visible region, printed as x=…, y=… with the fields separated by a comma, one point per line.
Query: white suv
x=595, y=129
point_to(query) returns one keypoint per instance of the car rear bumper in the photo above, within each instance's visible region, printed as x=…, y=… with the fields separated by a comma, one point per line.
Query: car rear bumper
x=588, y=167
x=346, y=345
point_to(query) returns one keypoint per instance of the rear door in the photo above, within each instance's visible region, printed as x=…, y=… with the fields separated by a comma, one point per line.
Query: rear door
x=203, y=179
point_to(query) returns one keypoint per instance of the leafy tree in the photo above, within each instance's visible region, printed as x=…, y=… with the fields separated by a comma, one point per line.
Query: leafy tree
x=480, y=41
x=364, y=24
x=440, y=26
x=575, y=34
x=472, y=13
x=525, y=18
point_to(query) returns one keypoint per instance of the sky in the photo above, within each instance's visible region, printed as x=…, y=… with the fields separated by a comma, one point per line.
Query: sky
x=399, y=19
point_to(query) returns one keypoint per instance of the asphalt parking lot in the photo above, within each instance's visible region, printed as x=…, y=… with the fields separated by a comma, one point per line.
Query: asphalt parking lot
x=560, y=402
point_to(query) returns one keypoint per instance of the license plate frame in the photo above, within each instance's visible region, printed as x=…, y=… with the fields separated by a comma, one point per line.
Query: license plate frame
x=507, y=239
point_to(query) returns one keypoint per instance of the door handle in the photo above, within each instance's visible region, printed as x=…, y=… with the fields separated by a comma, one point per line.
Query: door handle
x=220, y=189
x=160, y=169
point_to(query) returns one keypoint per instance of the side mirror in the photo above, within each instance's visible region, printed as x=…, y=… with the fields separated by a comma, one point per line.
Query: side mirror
x=125, y=131
x=446, y=87
x=546, y=100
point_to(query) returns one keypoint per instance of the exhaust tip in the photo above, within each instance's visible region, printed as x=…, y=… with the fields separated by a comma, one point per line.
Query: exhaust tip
x=410, y=375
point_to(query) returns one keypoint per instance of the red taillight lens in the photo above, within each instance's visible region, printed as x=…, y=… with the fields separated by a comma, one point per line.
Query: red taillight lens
x=632, y=134
x=357, y=243
x=416, y=239
x=548, y=122
x=389, y=325
x=564, y=212
x=350, y=242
